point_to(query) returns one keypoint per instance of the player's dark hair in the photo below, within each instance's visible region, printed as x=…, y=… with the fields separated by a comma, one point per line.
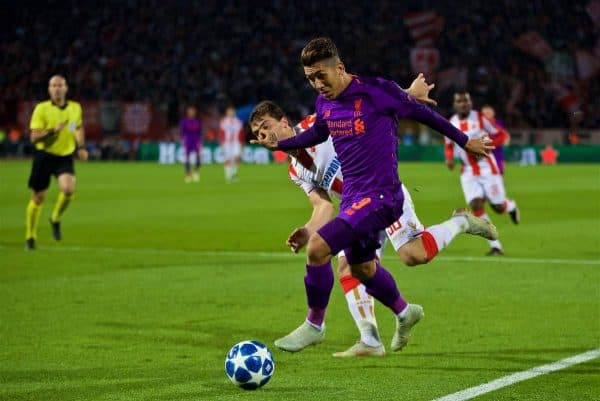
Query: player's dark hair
x=266, y=108
x=461, y=92
x=318, y=49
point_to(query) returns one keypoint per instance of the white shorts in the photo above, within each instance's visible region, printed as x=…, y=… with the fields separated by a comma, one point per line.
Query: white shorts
x=490, y=187
x=232, y=150
x=408, y=226
x=405, y=229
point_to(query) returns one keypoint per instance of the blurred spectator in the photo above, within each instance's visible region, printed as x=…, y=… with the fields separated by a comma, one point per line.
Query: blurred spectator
x=242, y=52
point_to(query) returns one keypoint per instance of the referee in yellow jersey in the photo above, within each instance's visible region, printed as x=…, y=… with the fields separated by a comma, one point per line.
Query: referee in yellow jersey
x=57, y=132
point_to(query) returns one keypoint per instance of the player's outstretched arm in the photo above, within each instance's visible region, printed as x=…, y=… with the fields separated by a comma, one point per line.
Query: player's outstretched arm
x=423, y=114
x=323, y=211
x=268, y=140
x=312, y=136
x=393, y=99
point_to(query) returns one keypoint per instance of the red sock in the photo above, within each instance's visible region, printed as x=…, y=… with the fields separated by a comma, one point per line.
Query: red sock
x=348, y=283
x=429, y=244
x=478, y=213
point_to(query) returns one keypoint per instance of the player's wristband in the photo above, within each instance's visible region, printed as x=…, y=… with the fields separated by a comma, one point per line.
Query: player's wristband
x=79, y=147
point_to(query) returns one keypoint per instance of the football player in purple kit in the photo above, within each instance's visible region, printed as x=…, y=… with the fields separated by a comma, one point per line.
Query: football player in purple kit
x=360, y=114
x=190, y=129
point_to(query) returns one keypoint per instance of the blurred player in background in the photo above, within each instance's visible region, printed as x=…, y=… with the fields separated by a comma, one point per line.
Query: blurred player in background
x=57, y=132
x=361, y=117
x=232, y=138
x=190, y=129
x=480, y=177
x=490, y=113
x=317, y=171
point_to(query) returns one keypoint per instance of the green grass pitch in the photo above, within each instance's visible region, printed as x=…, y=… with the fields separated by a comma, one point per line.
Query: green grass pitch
x=156, y=279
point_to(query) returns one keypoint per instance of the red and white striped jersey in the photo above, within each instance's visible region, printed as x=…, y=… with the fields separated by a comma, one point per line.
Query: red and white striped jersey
x=316, y=167
x=475, y=126
x=231, y=130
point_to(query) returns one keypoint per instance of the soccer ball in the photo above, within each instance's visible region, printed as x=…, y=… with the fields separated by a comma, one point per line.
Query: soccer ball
x=249, y=364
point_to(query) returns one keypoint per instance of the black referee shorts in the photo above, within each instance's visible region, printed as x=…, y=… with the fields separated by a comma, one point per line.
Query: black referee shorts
x=46, y=165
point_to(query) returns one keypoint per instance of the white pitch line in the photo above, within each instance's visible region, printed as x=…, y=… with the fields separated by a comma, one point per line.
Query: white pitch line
x=504, y=259
x=520, y=376
x=266, y=254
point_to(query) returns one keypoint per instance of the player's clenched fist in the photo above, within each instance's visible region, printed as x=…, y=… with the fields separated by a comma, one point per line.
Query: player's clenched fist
x=298, y=239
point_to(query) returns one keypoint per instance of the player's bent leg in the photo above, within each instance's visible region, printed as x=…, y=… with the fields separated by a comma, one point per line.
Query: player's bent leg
x=477, y=205
x=362, y=309
x=318, y=283
x=413, y=253
x=496, y=195
x=66, y=184
x=382, y=287
x=508, y=206
x=318, y=251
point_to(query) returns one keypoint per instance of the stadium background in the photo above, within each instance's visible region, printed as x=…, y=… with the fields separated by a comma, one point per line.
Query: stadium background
x=134, y=65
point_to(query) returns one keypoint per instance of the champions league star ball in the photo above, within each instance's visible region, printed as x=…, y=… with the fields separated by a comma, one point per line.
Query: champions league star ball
x=249, y=364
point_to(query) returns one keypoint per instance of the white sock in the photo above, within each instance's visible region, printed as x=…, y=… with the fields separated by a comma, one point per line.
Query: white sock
x=362, y=309
x=228, y=172
x=495, y=243
x=510, y=205
x=445, y=232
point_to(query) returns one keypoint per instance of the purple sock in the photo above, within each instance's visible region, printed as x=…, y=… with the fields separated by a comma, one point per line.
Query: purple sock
x=382, y=287
x=318, y=283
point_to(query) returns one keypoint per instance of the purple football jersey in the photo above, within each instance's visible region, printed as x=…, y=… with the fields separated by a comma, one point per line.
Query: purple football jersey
x=191, y=132
x=363, y=121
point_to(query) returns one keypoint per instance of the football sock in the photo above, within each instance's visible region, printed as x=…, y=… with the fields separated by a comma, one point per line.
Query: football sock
x=382, y=287
x=318, y=283
x=509, y=205
x=361, y=307
x=60, y=206
x=439, y=236
x=495, y=244
x=32, y=216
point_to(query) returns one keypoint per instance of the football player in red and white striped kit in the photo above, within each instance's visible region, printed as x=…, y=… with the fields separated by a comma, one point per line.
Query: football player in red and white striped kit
x=480, y=178
x=231, y=137
x=317, y=171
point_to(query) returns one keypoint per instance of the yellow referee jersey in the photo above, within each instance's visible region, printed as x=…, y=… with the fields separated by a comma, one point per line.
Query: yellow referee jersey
x=48, y=115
